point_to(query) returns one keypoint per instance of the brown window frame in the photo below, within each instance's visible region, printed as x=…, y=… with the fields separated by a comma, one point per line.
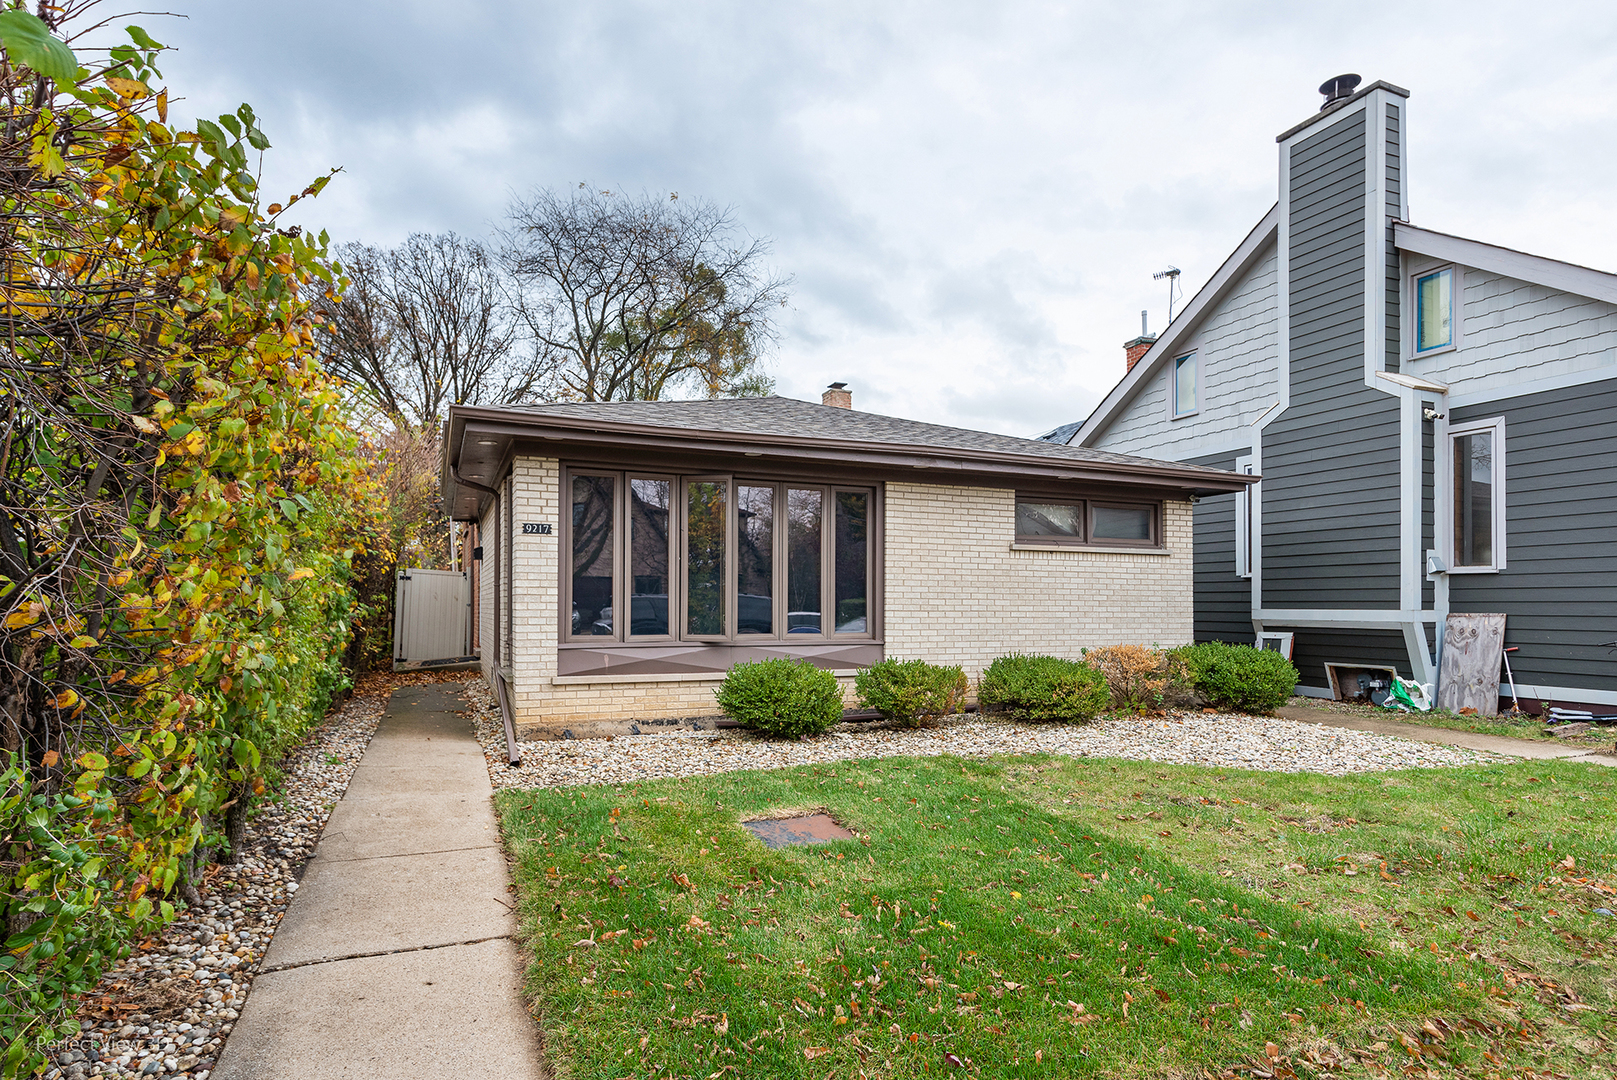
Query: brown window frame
x=678, y=590
x=1089, y=541
x=630, y=476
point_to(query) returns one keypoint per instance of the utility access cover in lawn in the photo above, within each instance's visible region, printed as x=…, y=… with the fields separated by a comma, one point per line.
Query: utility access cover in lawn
x=785, y=832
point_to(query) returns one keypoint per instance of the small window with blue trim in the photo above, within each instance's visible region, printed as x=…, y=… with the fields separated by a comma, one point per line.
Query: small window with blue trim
x=1434, y=310
x=1186, y=387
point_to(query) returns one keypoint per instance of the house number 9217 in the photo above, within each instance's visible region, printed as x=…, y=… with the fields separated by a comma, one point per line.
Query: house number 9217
x=536, y=528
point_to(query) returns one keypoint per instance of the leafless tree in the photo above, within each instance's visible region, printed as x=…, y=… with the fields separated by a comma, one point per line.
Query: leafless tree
x=635, y=298
x=426, y=325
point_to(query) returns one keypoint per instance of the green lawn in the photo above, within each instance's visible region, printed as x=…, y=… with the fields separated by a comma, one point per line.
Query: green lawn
x=1038, y=916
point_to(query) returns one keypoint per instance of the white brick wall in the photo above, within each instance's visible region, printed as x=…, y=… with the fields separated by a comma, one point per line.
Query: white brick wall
x=955, y=594
x=535, y=584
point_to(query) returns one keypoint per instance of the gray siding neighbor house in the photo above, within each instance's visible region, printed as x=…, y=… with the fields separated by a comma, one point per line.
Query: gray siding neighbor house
x=1434, y=420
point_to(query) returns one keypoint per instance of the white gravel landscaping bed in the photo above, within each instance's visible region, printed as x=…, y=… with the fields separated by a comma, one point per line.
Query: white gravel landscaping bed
x=166, y=1009
x=1184, y=738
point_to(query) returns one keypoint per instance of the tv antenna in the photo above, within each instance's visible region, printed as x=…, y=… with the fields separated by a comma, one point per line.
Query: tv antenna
x=1172, y=274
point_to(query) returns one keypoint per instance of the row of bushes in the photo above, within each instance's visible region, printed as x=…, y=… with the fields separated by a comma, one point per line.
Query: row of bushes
x=793, y=697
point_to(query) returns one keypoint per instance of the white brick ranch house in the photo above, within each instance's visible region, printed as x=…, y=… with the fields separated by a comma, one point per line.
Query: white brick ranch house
x=628, y=554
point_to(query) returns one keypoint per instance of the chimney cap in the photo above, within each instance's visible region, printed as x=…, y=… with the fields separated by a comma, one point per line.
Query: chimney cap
x=1338, y=90
x=837, y=386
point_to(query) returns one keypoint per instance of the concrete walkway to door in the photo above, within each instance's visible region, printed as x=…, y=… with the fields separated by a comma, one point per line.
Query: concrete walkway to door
x=1494, y=744
x=395, y=959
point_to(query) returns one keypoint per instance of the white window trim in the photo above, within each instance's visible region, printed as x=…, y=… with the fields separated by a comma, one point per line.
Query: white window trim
x=1195, y=356
x=1243, y=519
x=1445, y=523
x=1412, y=306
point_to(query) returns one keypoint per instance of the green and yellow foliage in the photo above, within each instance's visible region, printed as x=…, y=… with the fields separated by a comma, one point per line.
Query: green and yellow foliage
x=180, y=501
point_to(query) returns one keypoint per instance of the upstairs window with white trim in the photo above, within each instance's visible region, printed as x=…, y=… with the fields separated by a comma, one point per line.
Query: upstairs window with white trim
x=1184, y=390
x=1243, y=520
x=1476, y=462
x=1434, y=310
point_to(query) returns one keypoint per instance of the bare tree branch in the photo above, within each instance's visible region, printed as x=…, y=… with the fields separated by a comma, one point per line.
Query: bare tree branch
x=423, y=326
x=628, y=298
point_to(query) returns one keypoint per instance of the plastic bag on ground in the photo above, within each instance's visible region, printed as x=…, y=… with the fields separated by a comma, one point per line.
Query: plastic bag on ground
x=1406, y=695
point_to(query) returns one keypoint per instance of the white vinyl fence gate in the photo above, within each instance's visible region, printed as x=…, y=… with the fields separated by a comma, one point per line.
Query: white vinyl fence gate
x=431, y=617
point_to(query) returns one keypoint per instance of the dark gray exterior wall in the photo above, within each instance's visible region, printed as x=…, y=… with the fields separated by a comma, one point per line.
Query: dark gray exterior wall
x=1223, y=601
x=1312, y=647
x=1559, y=586
x=1330, y=461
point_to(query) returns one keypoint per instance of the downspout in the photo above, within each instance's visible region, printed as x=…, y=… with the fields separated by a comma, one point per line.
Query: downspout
x=1436, y=566
x=454, y=471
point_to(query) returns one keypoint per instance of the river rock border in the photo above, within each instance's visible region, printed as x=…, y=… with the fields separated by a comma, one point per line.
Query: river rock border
x=1182, y=738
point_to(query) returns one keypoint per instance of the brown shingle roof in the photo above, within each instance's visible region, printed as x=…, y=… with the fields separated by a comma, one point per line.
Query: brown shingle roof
x=783, y=431
x=779, y=416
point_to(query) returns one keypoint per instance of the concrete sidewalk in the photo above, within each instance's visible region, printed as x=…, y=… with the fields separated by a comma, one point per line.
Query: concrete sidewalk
x=395, y=959
x=1497, y=744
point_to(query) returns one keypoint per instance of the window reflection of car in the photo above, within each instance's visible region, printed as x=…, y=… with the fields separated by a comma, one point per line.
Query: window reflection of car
x=603, y=624
x=802, y=622
x=852, y=626
x=754, y=614
x=648, y=613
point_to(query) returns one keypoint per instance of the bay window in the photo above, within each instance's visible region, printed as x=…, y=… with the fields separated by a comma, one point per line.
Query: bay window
x=716, y=559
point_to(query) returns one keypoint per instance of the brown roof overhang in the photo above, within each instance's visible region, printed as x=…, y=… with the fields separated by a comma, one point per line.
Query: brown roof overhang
x=481, y=441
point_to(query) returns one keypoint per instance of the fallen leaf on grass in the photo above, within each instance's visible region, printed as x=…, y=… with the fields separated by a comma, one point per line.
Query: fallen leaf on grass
x=812, y=1052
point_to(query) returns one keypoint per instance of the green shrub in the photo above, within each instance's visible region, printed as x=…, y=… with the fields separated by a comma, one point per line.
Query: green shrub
x=912, y=692
x=1043, y=688
x=1240, y=676
x=781, y=697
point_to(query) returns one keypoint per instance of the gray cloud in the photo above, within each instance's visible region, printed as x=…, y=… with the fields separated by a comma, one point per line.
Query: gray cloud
x=971, y=198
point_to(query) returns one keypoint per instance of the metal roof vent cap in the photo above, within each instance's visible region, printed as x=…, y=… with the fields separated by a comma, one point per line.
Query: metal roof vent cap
x=1337, y=90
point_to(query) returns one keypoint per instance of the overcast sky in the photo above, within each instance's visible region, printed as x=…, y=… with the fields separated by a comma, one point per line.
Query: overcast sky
x=971, y=197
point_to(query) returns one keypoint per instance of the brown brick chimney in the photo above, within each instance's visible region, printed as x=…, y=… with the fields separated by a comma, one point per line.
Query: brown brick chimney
x=1133, y=350
x=838, y=396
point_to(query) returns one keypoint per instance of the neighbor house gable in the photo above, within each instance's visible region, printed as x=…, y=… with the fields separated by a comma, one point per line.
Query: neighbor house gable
x=1237, y=271
x=1234, y=348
